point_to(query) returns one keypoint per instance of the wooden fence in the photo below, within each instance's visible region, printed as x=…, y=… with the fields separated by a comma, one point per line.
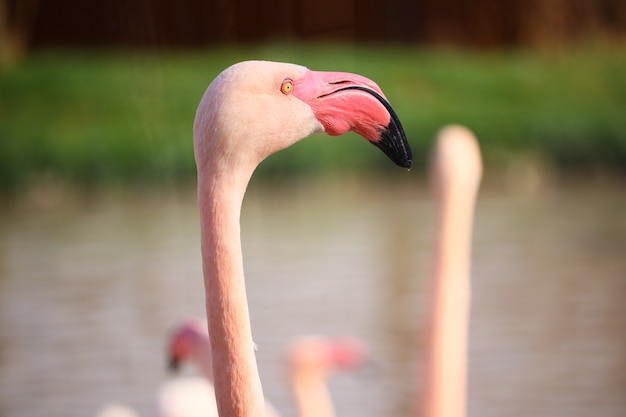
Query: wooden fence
x=193, y=23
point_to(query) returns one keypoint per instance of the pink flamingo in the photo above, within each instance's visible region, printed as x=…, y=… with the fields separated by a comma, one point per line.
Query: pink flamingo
x=311, y=359
x=456, y=172
x=251, y=110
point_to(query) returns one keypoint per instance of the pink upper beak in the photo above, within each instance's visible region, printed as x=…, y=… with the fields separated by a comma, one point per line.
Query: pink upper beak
x=345, y=102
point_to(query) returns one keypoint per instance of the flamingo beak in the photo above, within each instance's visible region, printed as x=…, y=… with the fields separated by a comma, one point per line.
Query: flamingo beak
x=173, y=363
x=345, y=102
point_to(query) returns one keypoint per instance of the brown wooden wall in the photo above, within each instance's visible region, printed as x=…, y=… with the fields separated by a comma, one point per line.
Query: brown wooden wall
x=192, y=23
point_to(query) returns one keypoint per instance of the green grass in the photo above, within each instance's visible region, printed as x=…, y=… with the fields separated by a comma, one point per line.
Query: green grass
x=113, y=117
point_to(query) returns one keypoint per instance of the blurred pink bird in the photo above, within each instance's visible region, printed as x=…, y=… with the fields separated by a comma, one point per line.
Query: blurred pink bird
x=311, y=359
x=250, y=111
x=184, y=396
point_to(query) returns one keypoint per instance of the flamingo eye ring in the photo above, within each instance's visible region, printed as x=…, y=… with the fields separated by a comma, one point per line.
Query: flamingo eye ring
x=287, y=86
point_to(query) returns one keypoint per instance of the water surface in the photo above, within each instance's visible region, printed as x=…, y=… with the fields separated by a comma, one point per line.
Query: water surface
x=89, y=289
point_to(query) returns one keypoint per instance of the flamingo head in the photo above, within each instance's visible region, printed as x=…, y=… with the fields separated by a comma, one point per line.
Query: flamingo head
x=255, y=108
x=325, y=355
x=186, y=338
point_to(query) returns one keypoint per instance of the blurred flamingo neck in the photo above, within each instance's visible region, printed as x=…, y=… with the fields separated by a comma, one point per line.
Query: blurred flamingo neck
x=237, y=383
x=311, y=393
x=457, y=171
x=446, y=366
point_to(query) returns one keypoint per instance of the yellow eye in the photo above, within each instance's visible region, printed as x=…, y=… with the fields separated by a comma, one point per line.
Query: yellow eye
x=287, y=86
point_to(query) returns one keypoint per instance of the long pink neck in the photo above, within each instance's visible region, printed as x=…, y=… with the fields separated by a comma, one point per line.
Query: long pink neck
x=446, y=363
x=237, y=384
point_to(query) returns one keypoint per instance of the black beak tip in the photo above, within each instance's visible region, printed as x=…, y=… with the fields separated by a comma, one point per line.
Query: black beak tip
x=404, y=163
x=394, y=144
x=392, y=140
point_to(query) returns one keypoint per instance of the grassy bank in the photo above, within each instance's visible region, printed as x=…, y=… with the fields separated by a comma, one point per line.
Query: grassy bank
x=104, y=118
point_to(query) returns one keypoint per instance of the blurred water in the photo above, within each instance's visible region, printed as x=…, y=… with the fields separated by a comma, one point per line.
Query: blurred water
x=88, y=292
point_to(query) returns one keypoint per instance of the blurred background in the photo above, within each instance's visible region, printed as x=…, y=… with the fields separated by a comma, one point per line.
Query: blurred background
x=99, y=235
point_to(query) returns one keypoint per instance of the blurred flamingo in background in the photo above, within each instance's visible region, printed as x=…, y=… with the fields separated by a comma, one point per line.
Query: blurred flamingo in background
x=250, y=111
x=311, y=361
x=183, y=396
x=456, y=170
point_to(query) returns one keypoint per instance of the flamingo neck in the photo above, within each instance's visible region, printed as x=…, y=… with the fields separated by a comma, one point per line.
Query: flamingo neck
x=446, y=364
x=457, y=172
x=237, y=384
x=311, y=393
